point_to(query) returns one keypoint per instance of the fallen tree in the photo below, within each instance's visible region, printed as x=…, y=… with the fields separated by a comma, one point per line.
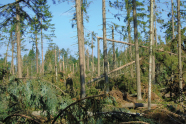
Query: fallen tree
x=117, y=69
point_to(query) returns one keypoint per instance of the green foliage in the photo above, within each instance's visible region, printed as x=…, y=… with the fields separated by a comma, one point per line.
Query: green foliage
x=33, y=95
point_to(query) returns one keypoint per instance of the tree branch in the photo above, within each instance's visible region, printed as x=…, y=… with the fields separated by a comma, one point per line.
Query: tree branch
x=25, y=116
x=61, y=111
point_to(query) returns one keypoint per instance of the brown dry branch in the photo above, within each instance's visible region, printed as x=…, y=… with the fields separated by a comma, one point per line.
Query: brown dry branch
x=134, y=122
x=101, y=76
x=140, y=46
x=61, y=111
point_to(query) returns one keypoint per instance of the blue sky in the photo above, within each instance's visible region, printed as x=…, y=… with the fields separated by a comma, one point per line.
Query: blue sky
x=66, y=35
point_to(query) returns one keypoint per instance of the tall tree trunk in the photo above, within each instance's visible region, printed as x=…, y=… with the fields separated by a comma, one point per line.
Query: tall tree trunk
x=179, y=50
x=92, y=55
x=87, y=59
x=18, y=33
x=113, y=47
x=98, y=56
x=82, y=26
x=136, y=52
x=81, y=48
x=37, y=65
x=153, y=56
x=6, y=65
x=42, y=49
x=150, y=56
x=105, y=47
x=63, y=64
x=129, y=36
x=172, y=4
x=12, y=63
x=59, y=62
x=56, y=65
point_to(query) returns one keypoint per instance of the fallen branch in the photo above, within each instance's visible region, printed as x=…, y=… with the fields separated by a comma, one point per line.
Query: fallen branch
x=25, y=116
x=55, y=86
x=134, y=122
x=61, y=111
x=139, y=46
x=121, y=67
x=136, y=105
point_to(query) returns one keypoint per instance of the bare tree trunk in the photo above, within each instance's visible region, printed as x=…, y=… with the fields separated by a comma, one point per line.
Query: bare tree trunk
x=12, y=63
x=92, y=54
x=98, y=56
x=63, y=64
x=6, y=65
x=56, y=65
x=18, y=33
x=179, y=51
x=153, y=56
x=87, y=59
x=59, y=62
x=150, y=56
x=42, y=49
x=136, y=52
x=105, y=47
x=37, y=65
x=81, y=48
x=129, y=37
x=113, y=47
x=82, y=26
x=172, y=19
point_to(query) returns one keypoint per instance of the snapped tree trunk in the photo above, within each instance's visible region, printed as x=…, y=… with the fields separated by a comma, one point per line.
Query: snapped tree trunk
x=18, y=33
x=81, y=47
x=136, y=52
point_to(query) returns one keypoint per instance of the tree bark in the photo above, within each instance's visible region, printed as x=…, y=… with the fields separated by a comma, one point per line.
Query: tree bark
x=18, y=33
x=150, y=56
x=98, y=56
x=59, y=62
x=172, y=5
x=81, y=46
x=37, y=65
x=42, y=49
x=113, y=47
x=55, y=65
x=105, y=47
x=179, y=50
x=82, y=26
x=12, y=63
x=129, y=35
x=92, y=54
x=136, y=52
x=6, y=65
x=87, y=59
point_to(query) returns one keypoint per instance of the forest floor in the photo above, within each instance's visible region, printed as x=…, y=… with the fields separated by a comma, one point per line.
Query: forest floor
x=161, y=112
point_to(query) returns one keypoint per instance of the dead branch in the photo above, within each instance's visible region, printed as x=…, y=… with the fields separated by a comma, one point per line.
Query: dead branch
x=25, y=116
x=134, y=122
x=61, y=111
x=55, y=86
x=139, y=46
x=101, y=76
